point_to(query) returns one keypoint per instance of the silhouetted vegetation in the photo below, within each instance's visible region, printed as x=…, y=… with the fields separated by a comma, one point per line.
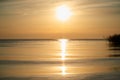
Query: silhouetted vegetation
x=114, y=41
x=114, y=44
x=114, y=38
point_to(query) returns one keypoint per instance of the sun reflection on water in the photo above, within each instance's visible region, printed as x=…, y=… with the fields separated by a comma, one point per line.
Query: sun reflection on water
x=63, y=69
x=63, y=45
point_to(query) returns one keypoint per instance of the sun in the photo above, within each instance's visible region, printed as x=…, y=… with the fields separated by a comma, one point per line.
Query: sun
x=63, y=12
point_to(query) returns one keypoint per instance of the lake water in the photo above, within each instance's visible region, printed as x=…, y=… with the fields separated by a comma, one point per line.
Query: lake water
x=58, y=60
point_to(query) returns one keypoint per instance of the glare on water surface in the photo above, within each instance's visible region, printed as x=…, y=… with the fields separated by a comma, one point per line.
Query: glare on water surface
x=63, y=45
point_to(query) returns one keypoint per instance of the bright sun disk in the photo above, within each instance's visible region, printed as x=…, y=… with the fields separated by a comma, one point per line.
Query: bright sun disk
x=63, y=13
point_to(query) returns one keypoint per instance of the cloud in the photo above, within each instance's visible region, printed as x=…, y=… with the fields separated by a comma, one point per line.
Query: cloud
x=31, y=7
x=98, y=7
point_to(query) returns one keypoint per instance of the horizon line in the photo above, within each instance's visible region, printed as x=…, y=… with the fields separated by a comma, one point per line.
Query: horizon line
x=30, y=39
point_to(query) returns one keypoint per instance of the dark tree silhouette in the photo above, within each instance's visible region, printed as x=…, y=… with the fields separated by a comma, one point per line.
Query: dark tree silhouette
x=114, y=39
x=114, y=42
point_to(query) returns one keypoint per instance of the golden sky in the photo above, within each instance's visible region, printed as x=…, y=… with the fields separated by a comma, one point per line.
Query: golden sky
x=37, y=19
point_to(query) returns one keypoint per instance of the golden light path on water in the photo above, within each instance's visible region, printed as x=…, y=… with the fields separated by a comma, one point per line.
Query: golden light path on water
x=63, y=69
x=63, y=45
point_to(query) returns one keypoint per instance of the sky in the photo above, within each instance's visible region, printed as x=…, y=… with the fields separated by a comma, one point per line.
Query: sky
x=30, y=19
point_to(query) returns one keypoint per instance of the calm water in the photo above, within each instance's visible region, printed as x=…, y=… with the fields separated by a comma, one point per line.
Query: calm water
x=58, y=60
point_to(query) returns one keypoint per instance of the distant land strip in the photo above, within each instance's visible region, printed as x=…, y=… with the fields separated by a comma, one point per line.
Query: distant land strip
x=43, y=39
